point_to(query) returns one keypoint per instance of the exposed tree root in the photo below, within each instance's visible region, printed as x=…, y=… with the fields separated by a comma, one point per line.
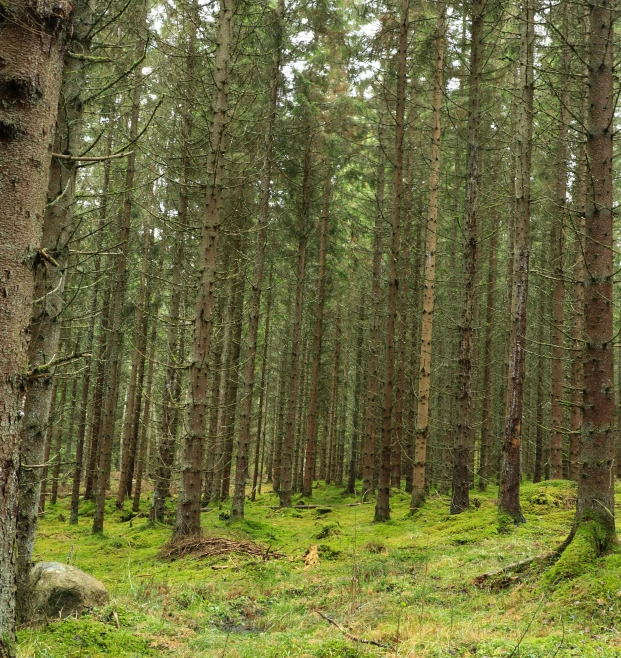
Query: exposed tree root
x=586, y=542
x=506, y=576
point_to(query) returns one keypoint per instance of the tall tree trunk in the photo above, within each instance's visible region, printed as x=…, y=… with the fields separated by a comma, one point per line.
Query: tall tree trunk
x=510, y=468
x=136, y=375
x=287, y=452
x=259, y=446
x=69, y=434
x=595, y=486
x=189, y=501
x=224, y=374
x=263, y=437
x=424, y=379
x=488, y=366
x=280, y=424
x=374, y=326
x=98, y=396
x=211, y=474
x=382, y=507
x=50, y=277
x=49, y=432
x=32, y=47
x=460, y=499
x=577, y=333
x=313, y=414
x=398, y=446
x=230, y=405
x=354, y=459
x=113, y=355
x=58, y=437
x=86, y=385
x=172, y=378
x=558, y=256
x=245, y=418
x=146, y=414
x=334, y=405
x=538, y=469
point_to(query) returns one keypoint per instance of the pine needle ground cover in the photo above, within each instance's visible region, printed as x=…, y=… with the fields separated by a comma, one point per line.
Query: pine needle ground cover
x=406, y=584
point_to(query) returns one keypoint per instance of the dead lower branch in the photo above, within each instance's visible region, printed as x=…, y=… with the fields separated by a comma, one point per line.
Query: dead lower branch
x=43, y=370
x=88, y=158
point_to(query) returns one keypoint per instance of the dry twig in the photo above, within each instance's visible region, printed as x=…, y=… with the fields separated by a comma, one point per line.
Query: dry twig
x=348, y=635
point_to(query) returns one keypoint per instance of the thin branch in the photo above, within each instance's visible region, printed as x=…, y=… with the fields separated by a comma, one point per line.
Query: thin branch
x=44, y=368
x=348, y=635
x=82, y=158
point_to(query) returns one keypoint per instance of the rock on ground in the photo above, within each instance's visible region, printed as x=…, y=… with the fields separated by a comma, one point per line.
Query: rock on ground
x=60, y=590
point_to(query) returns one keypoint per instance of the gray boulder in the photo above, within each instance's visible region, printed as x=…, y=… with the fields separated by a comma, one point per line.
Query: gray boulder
x=60, y=590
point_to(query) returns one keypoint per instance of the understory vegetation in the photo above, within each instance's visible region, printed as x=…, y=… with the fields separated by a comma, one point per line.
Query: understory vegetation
x=406, y=583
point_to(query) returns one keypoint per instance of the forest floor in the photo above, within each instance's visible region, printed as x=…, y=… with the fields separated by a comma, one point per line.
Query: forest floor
x=407, y=584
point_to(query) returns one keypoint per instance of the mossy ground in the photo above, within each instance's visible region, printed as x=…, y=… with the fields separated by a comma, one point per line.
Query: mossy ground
x=406, y=583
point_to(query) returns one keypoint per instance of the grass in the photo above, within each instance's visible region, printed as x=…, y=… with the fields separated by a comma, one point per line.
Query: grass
x=406, y=583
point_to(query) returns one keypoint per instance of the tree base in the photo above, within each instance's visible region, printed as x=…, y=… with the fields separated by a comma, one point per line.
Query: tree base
x=591, y=538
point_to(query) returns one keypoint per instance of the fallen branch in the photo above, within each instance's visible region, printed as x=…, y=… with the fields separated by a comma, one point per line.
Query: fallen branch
x=348, y=635
x=323, y=507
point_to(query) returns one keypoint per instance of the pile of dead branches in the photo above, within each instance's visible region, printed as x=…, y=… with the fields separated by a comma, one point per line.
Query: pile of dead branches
x=204, y=547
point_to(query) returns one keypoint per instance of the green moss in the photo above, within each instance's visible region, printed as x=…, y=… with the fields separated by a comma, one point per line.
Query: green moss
x=75, y=638
x=331, y=529
x=581, y=554
x=411, y=578
x=341, y=649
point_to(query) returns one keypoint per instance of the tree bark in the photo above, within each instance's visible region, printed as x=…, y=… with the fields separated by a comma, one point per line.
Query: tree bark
x=510, y=468
x=313, y=414
x=146, y=414
x=241, y=468
x=287, y=451
x=577, y=331
x=595, y=486
x=334, y=404
x=232, y=380
x=116, y=330
x=488, y=366
x=460, y=499
x=58, y=437
x=538, y=469
x=424, y=378
x=374, y=327
x=558, y=256
x=191, y=462
x=136, y=376
x=354, y=457
x=382, y=507
x=259, y=445
x=32, y=47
